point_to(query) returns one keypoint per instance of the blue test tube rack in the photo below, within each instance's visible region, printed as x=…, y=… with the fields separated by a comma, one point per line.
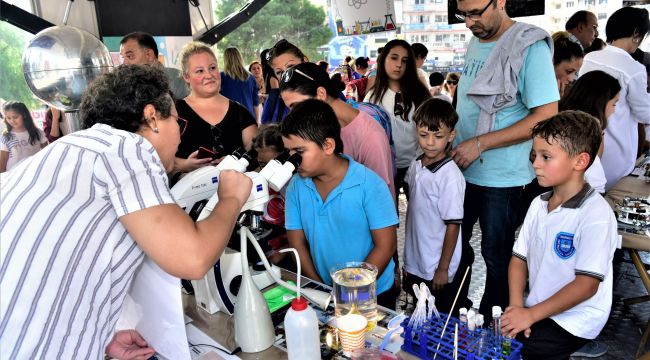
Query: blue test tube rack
x=423, y=341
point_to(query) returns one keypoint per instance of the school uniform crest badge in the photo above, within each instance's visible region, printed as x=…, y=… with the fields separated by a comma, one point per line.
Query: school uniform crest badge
x=564, y=245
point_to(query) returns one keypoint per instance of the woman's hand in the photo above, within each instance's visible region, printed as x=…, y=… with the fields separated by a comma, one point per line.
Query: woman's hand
x=216, y=162
x=233, y=184
x=129, y=345
x=191, y=163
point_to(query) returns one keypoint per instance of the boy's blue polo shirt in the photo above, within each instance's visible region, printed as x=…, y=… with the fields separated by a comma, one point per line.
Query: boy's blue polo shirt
x=338, y=230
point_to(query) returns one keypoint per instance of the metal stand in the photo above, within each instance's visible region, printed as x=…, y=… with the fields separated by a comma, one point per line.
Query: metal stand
x=645, y=278
x=196, y=4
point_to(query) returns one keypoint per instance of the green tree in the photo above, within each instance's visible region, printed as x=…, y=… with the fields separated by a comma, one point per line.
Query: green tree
x=12, y=81
x=299, y=21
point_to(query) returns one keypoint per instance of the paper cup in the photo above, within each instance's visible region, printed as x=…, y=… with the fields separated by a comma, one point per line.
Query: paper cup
x=352, y=331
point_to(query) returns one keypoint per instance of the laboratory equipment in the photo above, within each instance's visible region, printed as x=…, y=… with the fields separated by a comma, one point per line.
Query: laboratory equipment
x=301, y=325
x=355, y=290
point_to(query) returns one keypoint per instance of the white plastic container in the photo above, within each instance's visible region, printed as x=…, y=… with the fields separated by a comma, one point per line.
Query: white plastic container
x=301, y=331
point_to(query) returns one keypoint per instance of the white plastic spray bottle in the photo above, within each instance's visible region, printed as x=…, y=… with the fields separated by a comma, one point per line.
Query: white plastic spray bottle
x=301, y=325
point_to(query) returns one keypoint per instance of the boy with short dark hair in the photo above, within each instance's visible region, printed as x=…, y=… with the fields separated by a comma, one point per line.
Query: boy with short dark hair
x=337, y=210
x=565, y=246
x=435, y=211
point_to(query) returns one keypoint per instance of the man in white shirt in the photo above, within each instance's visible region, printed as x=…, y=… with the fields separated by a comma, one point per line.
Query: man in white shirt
x=625, y=30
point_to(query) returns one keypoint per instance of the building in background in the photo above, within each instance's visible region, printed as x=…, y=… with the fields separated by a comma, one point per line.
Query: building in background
x=425, y=21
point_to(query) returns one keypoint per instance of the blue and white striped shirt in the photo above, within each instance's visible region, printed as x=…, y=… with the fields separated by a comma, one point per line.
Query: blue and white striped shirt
x=66, y=262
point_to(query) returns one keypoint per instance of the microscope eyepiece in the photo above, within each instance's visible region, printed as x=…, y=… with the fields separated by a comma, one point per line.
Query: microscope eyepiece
x=295, y=159
x=238, y=153
x=282, y=157
x=250, y=155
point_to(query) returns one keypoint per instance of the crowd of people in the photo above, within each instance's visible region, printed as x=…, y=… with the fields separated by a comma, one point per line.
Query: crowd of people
x=529, y=136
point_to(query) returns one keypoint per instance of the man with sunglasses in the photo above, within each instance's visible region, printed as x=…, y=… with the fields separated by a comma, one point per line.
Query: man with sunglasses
x=507, y=86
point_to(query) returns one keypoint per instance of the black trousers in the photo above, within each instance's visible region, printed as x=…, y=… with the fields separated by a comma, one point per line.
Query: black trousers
x=388, y=298
x=549, y=341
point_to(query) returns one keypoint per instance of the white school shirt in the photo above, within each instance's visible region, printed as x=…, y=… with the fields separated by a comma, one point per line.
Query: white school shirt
x=595, y=175
x=66, y=261
x=577, y=238
x=404, y=133
x=633, y=106
x=437, y=195
x=18, y=146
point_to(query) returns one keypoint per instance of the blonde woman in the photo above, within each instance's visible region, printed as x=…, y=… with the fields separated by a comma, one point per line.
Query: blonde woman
x=214, y=123
x=237, y=83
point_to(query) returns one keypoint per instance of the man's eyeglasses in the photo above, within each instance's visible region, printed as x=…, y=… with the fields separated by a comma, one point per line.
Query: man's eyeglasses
x=182, y=123
x=398, y=109
x=287, y=75
x=271, y=53
x=462, y=16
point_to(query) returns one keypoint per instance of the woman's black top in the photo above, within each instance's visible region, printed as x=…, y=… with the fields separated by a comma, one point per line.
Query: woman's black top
x=226, y=134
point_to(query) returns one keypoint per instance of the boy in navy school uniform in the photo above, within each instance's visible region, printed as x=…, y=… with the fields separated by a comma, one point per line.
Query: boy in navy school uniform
x=435, y=211
x=565, y=246
x=337, y=210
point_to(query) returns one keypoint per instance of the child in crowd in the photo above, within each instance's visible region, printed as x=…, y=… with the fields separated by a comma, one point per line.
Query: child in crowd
x=268, y=144
x=565, y=246
x=435, y=210
x=595, y=93
x=21, y=138
x=337, y=210
x=436, y=80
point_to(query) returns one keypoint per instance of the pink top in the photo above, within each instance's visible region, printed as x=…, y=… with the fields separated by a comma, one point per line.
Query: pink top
x=365, y=141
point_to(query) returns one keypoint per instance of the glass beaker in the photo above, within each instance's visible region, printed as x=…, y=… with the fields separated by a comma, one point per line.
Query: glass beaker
x=355, y=290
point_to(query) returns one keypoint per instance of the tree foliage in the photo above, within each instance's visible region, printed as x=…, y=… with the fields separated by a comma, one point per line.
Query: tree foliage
x=299, y=21
x=12, y=81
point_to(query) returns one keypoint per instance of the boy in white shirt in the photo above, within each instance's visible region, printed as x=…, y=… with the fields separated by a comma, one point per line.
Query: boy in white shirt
x=435, y=210
x=565, y=246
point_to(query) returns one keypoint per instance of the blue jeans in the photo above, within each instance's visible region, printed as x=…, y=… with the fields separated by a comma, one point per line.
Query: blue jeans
x=497, y=211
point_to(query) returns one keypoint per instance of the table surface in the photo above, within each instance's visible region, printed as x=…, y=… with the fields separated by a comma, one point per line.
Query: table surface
x=634, y=187
x=221, y=326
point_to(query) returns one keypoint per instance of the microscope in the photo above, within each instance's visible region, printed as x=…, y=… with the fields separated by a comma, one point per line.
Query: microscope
x=197, y=194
